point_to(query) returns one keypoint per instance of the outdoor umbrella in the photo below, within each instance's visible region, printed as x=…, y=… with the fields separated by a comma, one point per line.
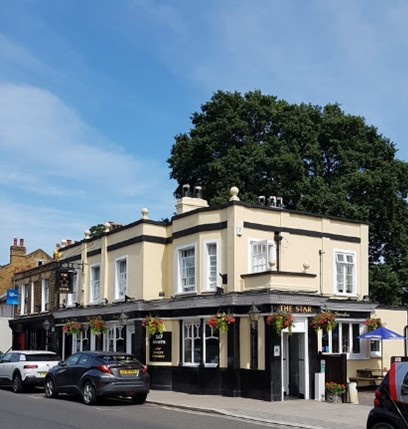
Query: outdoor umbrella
x=381, y=334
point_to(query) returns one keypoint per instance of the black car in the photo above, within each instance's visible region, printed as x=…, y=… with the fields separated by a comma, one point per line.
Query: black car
x=96, y=374
x=391, y=400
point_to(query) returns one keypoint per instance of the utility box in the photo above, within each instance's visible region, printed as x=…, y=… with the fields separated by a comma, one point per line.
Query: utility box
x=320, y=394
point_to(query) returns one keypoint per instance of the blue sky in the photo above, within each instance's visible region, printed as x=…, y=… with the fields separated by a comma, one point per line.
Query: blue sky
x=93, y=92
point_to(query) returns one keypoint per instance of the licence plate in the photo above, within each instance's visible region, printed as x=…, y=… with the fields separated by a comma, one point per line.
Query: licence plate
x=129, y=372
x=43, y=374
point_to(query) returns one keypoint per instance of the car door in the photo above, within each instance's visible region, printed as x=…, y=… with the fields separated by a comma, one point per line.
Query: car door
x=79, y=369
x=63, y=373
x=5, y=369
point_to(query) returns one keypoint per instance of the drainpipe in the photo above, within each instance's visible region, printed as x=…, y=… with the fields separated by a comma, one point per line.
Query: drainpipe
x=278, y=239
x=321, y=253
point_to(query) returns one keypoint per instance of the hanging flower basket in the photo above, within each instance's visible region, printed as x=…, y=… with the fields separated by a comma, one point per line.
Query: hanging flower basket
x=97, y=325
x=72, y=327
x=325, y=321
x=280, y=321
x=372, y=323
x=154, y=325
x=221, y=321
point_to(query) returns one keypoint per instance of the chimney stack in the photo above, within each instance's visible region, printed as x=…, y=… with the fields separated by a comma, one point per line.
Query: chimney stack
x=17, y=251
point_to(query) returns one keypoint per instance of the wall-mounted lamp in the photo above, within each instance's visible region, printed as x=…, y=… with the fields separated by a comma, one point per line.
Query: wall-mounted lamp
x=123, y=319
x=254, y=314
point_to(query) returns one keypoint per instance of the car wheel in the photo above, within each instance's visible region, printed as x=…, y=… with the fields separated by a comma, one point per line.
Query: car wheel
x=17, y=383
x=383, y=425
x=89, y=394
x=50, y=388
x=140, y=398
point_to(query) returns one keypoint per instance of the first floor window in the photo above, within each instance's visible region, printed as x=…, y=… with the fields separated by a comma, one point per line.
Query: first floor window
x=95, y=283
x=121, y=278
x=187, y=269
x=345, y=273
x=24, y=299
x=45, y=295
x=72, y=298
x=211, y=267
x=263, y=255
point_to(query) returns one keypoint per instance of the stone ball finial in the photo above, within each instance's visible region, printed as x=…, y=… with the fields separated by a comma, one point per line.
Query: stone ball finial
x=107, y=226
x=234, y=191
x=145, y=213
x=87, y=234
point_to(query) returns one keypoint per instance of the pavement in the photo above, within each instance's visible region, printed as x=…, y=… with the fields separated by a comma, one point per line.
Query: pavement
x=292, y=413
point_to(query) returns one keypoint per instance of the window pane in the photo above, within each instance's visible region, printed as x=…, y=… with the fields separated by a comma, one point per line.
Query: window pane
x=345, y=338
x=356, y=340
x=188, y=269
x=335, y=340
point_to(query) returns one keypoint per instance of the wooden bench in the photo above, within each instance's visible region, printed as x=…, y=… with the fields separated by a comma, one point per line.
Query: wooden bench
x=366, y=375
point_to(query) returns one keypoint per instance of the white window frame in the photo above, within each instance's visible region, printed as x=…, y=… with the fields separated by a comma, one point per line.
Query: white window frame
x=343, y=291
x=72, y=298
x=24, y=299
x=211, y=280
x=196, y=332
x=191, y=332
x=259, y=261
x=362, y=354
x=121, y=279
x=95, y=284
x=213, y=335
x=45, y=295
x=32, y=310
x=180, y=268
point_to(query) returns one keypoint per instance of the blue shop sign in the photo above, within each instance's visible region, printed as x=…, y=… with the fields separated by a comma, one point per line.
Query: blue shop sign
x=12, y=297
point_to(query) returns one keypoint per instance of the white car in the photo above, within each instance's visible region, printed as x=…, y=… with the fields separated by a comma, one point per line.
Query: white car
x=24, y=369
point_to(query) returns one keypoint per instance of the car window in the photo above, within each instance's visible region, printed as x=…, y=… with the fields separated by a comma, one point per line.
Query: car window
x=6, y=358
x=119, y=358
x=84, y=359
x=73, y=359
x=16, y=357
x=42, y=357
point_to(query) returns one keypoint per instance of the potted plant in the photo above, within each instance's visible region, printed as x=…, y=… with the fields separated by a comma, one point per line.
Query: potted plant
x=154, y=325
x=280, y=321
x=372, y=323
x=72, y=327
x=97, y=325
x=221, y=321
x=334, y=391
x=325, y=320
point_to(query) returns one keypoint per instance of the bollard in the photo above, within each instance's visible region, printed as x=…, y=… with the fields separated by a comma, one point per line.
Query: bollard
x=353, y=393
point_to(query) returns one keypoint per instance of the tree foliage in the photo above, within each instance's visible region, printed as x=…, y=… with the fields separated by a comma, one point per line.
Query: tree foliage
x=319, y=159
x=97, y=230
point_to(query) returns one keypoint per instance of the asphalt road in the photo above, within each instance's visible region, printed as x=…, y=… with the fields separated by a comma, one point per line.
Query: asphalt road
x=34, y=411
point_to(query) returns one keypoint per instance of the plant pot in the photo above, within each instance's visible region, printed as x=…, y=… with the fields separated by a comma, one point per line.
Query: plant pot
x=333, y=398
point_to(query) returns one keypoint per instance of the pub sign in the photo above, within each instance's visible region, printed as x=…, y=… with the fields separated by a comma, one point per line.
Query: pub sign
x=160, y=347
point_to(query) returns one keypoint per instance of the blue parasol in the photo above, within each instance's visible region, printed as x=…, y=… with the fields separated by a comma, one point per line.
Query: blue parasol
x=381, y=334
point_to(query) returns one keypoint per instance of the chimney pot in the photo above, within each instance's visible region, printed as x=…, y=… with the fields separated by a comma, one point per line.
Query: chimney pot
x=21, y=242
x=15, y=242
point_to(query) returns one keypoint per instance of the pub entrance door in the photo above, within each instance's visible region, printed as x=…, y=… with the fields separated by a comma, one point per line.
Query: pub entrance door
x=294, y=368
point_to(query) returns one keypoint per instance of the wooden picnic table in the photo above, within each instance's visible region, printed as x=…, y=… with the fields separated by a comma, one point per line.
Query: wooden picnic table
x=372, y=376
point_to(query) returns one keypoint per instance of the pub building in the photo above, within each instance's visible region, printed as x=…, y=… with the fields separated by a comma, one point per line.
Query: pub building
x=235, y=300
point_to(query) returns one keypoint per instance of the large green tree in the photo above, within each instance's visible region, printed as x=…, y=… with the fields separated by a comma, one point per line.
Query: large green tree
x=319, y=159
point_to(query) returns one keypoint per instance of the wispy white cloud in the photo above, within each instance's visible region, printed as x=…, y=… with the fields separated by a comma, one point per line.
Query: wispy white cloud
x=35, y=124
x=82, y=178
